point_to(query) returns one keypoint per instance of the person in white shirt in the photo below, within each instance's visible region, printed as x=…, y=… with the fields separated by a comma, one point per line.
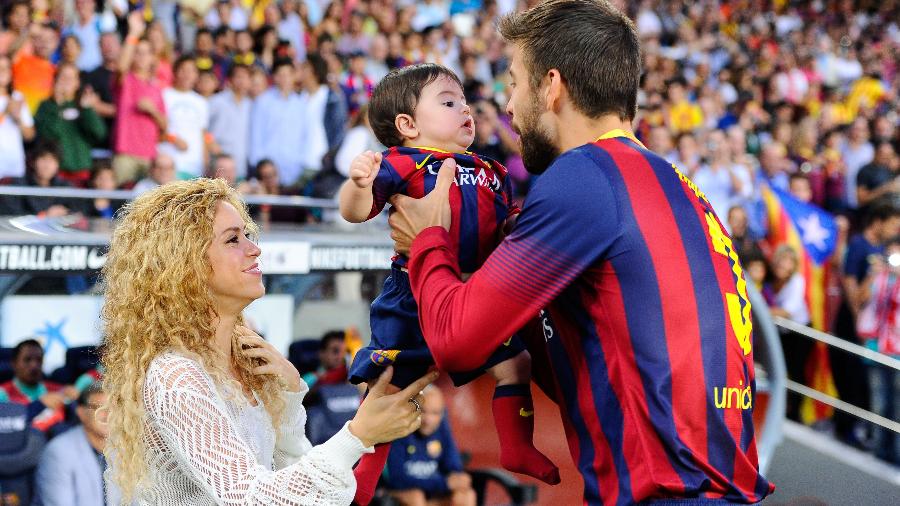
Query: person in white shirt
x=200, y=409
x=229, y=117
x=87, y=28
x=188, y=113
x=16, y=125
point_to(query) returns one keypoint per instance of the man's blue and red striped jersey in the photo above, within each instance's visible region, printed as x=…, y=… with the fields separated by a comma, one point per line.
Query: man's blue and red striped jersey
x=480, y=199
x=645, y=318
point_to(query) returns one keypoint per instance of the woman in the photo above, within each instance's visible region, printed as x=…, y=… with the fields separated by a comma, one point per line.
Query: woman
x=788, y=291
x=202, y=410
x=16, y=125
x=72, y=123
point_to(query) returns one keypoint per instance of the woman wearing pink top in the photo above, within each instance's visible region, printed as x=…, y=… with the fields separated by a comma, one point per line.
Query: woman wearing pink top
x=140, y=112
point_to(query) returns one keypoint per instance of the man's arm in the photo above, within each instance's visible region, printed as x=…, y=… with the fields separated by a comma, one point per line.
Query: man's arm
x=568, y=222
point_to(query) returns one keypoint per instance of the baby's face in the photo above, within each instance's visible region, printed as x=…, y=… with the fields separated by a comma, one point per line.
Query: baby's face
x=443, y=118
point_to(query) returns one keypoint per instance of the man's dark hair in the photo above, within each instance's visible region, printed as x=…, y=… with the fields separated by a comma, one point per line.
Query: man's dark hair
x=319, y=67
x=398, y=93
x=183, y=60
x=24, y=344
x=85, y=396
x=235, y=67
x=282, y=62
x=331, y=335
x=594, y=47
x=881, y=210
x=45, y=148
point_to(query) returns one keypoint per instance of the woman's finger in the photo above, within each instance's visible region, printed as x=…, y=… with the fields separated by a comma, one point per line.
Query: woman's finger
x=258, y=353
x=265, y=369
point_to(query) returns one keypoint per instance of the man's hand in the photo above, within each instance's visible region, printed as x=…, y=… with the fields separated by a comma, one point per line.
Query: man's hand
x=364, y=169
x=459, y=481
x=412, y=216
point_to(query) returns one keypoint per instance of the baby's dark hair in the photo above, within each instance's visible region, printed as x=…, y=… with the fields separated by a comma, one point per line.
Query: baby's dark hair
x=398, y=93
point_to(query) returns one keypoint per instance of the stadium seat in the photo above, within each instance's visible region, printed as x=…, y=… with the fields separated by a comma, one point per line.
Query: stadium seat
x=6, y=371
x=79, y=360
x=20, y=448
x=335, y=405
x=304, y=354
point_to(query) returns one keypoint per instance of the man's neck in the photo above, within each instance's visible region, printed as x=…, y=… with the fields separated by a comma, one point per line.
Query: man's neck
x=580, y=130
x=96, y=442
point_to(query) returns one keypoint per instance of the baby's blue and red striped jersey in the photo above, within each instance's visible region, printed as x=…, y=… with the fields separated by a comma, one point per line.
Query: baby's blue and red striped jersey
x=645, y=319
x=480, y=198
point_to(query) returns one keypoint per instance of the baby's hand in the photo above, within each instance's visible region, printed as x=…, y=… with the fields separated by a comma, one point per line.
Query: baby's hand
x=364, y=168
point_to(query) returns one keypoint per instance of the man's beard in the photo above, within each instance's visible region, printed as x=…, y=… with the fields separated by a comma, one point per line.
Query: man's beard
x=538, y=148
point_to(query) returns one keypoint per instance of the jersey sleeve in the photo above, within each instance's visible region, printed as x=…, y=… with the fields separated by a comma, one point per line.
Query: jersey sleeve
x=569, y=221
x=386, y=184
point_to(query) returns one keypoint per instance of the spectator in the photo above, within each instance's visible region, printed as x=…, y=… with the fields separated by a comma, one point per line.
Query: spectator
x=206, y=56
x=71, y=123
x=45, y=399
x=15, y=36
x=354, y=40
x=881, y=223
x=223, y=167
x=292, y=29
x=162, y=49
x=878, y=177
x=228, y=13
x=188, y=120
x=278, y=125
x=16, y=124
x=742, y=238
x=103, y=178
x=207, y=84
x=259, y=82
x=857, y=151
x=266, y=46
x=789, y=292
x=44, y=173
x=326, y=113
x=229, y=117
x=101, y=80
x=162, y=171
x=76, y=459
x=357, y=86
x=141, y=112
x=358, y=139
x=492, y=138
x=879, y=323
x=69, y=51
x=425, y=467
x=266, y=182
x=332, y=368
x=33, y=71
x=88, y=28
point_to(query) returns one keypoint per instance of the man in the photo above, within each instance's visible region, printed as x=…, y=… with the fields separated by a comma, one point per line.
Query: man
x=332, y=361
x=88, y=27
x=75, y=458
x=326, y=113
x=101, y=80
x=162, y=171
x=882, y=222
x=425, y=468
x=229, y=116
x=278, y=125
x=647, y=344
x=188, y=113
x=45, y=399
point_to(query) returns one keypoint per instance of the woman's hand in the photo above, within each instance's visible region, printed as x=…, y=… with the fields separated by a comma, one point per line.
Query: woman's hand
x=273, y=362
x=384, y=417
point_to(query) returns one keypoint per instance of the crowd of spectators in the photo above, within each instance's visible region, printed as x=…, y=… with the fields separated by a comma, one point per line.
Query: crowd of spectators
x=271, y=95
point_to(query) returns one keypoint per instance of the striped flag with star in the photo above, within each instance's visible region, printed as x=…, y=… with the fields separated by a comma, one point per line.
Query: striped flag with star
x=812, y=233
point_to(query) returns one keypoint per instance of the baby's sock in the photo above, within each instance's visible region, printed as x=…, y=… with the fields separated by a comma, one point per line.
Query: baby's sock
x=514, y=419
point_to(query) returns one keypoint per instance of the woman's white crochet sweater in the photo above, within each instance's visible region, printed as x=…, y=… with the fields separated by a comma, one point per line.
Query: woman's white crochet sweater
x=204, y=448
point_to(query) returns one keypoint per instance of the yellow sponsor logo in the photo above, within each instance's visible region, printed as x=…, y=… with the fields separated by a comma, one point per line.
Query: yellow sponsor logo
x=733, y=397
x=423, y=162
x=525, y=414
x=384, y=357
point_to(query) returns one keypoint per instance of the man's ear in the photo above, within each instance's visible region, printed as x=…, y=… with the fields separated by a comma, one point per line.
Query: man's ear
x=554, y=91
x=406, y=126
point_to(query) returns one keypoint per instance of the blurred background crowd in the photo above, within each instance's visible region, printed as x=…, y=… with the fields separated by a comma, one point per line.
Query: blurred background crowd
x=785, y=114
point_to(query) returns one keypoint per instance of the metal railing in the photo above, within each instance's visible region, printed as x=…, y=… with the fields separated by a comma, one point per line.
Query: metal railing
x=848, y=347
x=769, y=356
x=80, y=193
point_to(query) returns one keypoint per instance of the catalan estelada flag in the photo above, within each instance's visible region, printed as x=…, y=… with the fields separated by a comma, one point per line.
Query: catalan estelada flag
x=813, y=234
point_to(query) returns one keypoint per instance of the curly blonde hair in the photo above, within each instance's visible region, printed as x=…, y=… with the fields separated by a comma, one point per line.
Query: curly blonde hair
x=157, y=300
